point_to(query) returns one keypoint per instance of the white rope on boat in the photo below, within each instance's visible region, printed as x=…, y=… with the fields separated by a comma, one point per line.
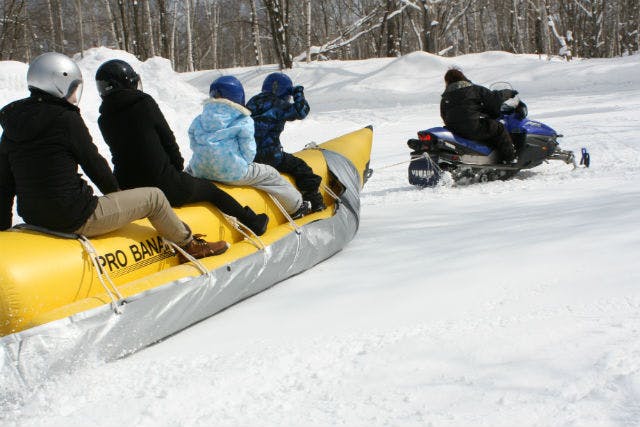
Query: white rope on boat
x=311, y=146
x=102, y=275
x=330, y=192
x=252, y=237
x=188, y=256
x=413, y=159
x=286, y=214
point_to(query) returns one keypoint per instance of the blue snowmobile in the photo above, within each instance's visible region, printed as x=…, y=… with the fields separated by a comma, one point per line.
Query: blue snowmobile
x=438, y=150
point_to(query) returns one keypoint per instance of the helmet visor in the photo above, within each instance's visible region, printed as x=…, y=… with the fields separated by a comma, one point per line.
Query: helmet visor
x=75, y=92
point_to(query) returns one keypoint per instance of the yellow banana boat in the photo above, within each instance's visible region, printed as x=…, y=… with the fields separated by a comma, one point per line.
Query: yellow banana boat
x=114, y=294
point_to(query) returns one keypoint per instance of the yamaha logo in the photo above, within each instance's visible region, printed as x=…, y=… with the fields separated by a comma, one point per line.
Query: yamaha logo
x=422, y=173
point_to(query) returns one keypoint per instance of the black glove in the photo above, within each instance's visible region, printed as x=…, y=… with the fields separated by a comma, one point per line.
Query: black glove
x=297, y=89
x=508, y=93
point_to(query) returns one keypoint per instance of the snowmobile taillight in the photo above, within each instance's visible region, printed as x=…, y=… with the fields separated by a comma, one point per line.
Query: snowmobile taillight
x=425, y=136
x=455, y=158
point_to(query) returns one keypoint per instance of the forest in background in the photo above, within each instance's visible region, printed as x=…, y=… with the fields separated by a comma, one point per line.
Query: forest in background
x=210, y=34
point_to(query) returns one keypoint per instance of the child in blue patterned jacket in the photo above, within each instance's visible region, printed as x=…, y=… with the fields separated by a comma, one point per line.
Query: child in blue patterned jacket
x=224, y=147
x=270, y=110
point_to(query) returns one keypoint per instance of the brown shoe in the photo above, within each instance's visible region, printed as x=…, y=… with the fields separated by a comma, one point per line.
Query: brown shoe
x=199, y=248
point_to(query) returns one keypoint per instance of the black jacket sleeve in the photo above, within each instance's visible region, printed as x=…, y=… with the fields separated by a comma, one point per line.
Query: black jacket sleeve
x=167, y=138
x=491, y=102
x=297, y=110
x=86, y=153
x=7, y=188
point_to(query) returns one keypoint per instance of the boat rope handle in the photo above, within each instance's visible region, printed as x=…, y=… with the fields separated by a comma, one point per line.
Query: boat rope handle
x=188, y=256
x=102, y=274
x=252, y=237
x=399, y=163
x=330, y=192
x=311, y=146
x=286, y=214
x=413, y=159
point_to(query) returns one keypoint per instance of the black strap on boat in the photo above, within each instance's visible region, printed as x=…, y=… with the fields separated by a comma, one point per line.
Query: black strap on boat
x=44, y=230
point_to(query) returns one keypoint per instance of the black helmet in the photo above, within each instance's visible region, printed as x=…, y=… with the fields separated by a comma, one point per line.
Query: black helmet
x=116, y=74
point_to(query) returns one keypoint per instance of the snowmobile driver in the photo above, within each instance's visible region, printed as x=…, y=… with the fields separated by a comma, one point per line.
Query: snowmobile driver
x=43, y=143
x=472, y=111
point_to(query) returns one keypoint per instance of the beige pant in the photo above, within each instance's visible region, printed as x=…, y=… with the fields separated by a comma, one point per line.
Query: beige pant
x=116, y=210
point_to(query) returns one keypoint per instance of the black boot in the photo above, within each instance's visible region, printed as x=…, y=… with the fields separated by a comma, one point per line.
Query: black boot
x=508, y=153
x=317, y=204
x=304, y=209
x=256, y=222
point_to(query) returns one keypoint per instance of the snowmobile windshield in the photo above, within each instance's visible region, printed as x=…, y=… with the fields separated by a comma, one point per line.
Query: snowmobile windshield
x=500, y=86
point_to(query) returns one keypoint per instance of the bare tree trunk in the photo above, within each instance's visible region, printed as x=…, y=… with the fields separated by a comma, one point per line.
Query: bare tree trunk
x=213, y=19
x=255, y=34
x=540, y=50
x=418, y=32
x=383, y=27
x=464, y=24
x=616, y=34
x=138, y=47
x=564, y=50
x=428, y=26
x=112, y=26
x=125, y=27
x=517, y=35
x=61, y=27
x=25, y=34
x=393, y=35
x=308, y=9
x=164, y=46
x=547, y=35
x=80, y=27
x=483, y=34
x=52, y=36
x=151, y=42
x=187, y=4
x=15, y=24
x=278, y=11
x=172, y=42
x=637, y=15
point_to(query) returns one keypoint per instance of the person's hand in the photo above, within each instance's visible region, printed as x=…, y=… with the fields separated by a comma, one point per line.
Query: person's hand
x=508, y=93
x=297, y=89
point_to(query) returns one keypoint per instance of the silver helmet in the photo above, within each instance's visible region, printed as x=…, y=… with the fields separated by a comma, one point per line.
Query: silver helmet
x=57, y=75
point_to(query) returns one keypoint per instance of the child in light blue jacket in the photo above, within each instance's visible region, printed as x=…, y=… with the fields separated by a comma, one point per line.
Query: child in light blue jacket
x=224, y=147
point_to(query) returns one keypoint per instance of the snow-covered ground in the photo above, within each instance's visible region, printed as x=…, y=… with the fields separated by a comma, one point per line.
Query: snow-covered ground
x=498, y=304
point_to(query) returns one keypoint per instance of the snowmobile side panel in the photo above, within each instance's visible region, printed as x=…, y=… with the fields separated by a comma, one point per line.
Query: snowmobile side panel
x=528, y=126
x=446, y=135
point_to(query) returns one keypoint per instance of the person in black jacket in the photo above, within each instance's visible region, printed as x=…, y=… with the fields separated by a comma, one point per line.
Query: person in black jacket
x=471, y=111
x=144, y=149
x=44, y=140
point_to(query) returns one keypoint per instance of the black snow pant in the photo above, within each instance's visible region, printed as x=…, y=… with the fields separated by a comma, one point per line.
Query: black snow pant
x=203, y=190
x=306, y=181
x=494, y=134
